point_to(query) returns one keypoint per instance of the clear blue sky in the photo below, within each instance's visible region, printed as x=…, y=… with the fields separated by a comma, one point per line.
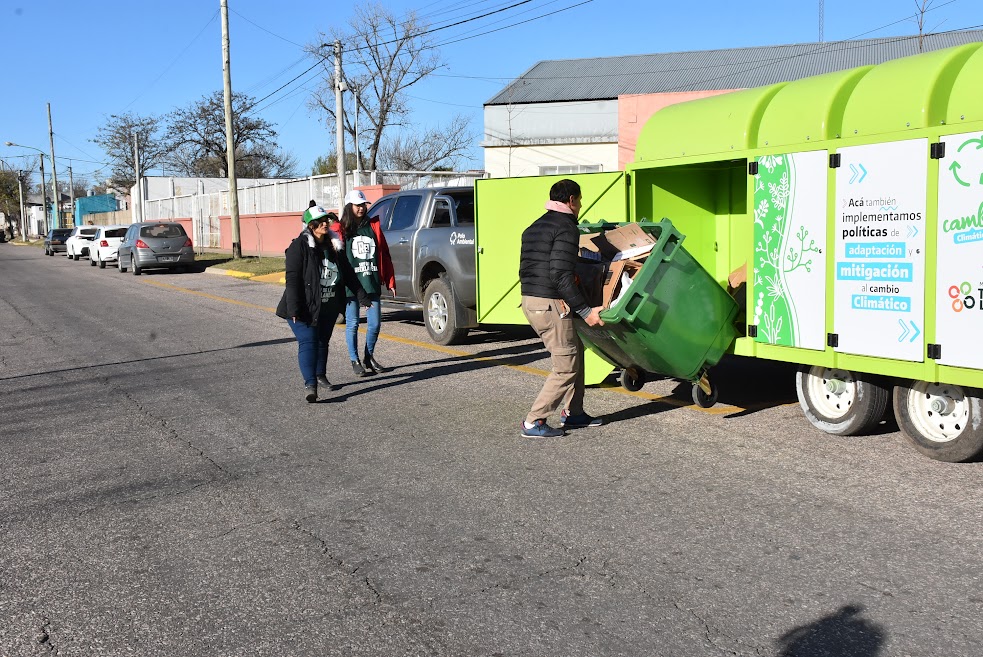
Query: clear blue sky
x=93, y=59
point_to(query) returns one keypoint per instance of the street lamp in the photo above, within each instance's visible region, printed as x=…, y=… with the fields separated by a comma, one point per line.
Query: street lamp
x=44, y=199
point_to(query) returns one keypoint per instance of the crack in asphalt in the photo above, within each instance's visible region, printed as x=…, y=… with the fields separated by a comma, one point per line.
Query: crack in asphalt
x=44, y=638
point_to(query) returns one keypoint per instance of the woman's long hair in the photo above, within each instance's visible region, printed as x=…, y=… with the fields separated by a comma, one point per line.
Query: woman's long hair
x=349, y=222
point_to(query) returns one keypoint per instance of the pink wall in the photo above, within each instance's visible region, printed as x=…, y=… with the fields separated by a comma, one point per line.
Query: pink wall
x=635, y=110
x=270, y=234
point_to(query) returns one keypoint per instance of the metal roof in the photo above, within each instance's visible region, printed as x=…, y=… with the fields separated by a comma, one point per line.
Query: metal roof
x=602, y=78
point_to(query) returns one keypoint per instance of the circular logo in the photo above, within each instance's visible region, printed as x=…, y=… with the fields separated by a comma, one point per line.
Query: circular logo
x=363, y=247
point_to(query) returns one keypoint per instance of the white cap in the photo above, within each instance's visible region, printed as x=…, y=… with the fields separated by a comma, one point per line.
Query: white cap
x=355, y=197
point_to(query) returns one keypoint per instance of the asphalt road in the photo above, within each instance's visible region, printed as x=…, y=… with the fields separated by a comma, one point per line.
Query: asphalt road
x=167, y=491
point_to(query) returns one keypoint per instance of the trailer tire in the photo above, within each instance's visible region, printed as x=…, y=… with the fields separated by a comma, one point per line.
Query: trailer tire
x=440, y=313
x=940, y=420
x=841, y=402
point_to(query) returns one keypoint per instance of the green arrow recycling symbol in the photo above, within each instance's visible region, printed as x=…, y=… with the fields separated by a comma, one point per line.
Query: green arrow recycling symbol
x=955, y=166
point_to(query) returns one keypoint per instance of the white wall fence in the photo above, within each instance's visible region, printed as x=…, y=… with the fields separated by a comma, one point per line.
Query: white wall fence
x=288, y=196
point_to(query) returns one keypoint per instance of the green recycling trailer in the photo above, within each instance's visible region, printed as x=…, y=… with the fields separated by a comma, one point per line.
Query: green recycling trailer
x=855, y=201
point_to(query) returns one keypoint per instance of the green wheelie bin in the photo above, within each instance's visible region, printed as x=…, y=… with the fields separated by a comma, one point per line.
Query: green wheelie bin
x=674, y=318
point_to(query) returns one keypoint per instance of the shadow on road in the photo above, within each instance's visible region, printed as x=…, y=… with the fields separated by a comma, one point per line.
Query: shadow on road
x=844, y=632
x=247, y=345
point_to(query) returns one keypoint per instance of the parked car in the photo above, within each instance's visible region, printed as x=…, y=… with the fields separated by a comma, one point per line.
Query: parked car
x=430, y=233
x=105, y=244
x=54, y=241
x=78, y=242
x=155, y=245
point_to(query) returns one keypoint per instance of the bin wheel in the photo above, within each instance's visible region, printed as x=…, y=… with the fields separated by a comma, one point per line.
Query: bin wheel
x=702, y=399
x=632, y=380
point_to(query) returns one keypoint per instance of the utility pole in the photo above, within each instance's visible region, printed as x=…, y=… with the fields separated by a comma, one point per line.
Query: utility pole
x=71, y=191
x=54, y=172
x=20, y=193
x=339, y=87
x=138, y=203
x=358, y=151
x=230, y=153
x=44, y=202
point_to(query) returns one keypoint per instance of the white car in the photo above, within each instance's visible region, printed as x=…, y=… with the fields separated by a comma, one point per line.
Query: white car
x=105, y=244
x=77, y=244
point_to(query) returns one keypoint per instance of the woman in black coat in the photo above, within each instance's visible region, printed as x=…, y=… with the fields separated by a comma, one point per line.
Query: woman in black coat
x=316, y=278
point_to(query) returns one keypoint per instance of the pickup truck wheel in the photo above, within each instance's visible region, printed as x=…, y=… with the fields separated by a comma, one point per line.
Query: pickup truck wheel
x=439, y=313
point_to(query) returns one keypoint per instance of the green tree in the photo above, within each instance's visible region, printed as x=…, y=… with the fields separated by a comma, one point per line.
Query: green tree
x=329, y=164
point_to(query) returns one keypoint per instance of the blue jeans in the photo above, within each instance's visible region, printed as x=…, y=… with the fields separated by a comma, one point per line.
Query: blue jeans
x=312, y=343
x=373, y=318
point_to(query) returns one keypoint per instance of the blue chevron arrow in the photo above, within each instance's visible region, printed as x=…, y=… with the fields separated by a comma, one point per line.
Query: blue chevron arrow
x=912, y=231
x=917, y=332
x=904, y=330
x=864, y=175
x=854, y=176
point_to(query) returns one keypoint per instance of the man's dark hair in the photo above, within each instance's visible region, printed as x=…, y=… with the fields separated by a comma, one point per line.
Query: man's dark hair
x=562, y=190
x=312, y=203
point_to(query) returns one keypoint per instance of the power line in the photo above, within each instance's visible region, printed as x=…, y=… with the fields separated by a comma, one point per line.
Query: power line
x=173, y=61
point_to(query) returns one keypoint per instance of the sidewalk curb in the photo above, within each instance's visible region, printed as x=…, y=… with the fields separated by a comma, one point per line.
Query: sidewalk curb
x=228, y=272
x=278, y=278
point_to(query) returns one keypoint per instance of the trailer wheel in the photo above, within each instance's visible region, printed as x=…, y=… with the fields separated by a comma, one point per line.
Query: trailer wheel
x=941, y=421
x=440, y=313
x=631, y=379
x=840, y=402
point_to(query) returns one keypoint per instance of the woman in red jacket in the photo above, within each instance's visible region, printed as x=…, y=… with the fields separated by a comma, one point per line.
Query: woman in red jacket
x=368, y=253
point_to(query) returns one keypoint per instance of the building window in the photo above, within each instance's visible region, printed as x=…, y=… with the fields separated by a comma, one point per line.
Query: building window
x=569, y=168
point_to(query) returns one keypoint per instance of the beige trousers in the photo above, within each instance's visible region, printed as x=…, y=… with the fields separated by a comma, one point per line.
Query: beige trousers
x=564, y=386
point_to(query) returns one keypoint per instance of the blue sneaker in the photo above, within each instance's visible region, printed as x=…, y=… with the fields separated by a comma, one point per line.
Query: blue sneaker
x=579, y=421
x=540, y=430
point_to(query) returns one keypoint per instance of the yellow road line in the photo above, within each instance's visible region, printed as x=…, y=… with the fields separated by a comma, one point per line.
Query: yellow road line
x=176, y=288
x=662, y=399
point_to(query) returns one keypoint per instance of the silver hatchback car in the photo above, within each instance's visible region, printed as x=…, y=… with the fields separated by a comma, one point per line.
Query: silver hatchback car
x=155, y=245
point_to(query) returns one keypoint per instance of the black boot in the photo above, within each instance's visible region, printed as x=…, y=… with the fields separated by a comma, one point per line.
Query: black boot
x=310, y=394
x=372, y=364
x=322, y=382
x=358, y=369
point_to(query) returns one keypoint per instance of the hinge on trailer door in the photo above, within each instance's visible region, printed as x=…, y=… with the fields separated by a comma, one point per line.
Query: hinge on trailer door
x=752, y=331
x=833, y=339
x=834, y=160
x=752, y=168
x=933, y=351
x=937, y=150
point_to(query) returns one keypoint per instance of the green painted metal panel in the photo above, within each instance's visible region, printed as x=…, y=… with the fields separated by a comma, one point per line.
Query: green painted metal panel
x=808, y=110
x=504, y=208
x=716, y=125
x=905, y=94
x=964, y=101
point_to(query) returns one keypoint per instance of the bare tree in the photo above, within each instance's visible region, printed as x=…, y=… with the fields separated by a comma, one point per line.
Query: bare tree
x=80, y=186
x=922, y=7
x=196, y=137
x=383, y=56
x=116, y=139
x=441, y=146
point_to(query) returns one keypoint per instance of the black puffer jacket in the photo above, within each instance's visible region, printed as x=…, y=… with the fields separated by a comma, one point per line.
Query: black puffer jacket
x=548, y=260
x=302, y=294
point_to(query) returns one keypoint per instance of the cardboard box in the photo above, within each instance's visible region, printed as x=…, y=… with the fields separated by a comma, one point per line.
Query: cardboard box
x=625, y=242
x=619, y=276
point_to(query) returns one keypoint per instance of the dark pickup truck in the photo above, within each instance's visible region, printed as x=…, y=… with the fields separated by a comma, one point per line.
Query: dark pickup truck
x=430, y=233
